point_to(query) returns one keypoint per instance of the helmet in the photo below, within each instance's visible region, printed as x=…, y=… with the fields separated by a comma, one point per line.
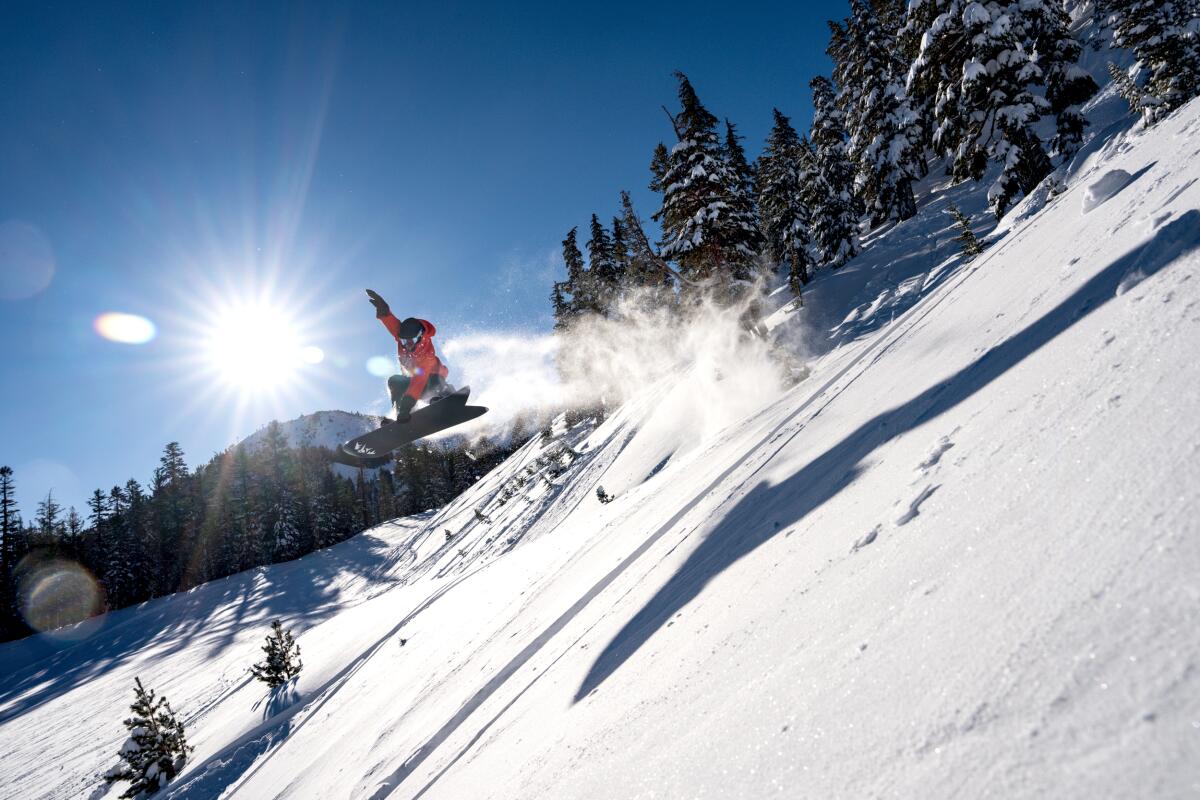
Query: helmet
x=411, y=328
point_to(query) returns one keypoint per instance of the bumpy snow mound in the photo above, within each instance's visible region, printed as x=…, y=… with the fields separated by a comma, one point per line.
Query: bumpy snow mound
x=1109, y=184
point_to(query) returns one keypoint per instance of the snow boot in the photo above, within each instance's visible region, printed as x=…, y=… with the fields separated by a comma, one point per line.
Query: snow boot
x=444, y=390
x=404, y=408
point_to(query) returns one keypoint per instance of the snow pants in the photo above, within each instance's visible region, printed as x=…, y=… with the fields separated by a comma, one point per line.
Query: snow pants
x=398, y=385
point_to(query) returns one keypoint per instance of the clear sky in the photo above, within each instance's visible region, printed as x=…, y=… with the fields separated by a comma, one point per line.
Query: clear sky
x=237, y=173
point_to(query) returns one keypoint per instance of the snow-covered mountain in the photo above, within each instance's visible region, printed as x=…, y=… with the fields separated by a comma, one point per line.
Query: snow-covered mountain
x=320, y=429
x=959, y=559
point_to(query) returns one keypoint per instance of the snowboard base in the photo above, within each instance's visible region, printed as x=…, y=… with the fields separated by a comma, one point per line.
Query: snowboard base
x=374, y=449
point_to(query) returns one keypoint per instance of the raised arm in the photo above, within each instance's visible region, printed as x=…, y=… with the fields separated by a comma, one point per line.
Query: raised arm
x=383, y=313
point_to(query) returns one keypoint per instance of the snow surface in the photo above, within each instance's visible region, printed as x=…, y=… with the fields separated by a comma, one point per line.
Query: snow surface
x=960, y=559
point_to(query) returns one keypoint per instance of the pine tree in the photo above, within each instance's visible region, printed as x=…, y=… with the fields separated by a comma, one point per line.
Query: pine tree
x=646, y=269
x=169, y=509
x=156, y=749
x=1139, y=99
x=937, y=49
x=735, y=155
x=835, y=212
x=12, y=549
x=285, y=530
x=1165, y=38
x=660, y=162
x=781, y=200
x=244, y=540
x=602, y=267
x=578, y=291
x=708, y=221
x=620, y=249
x=999, y=95
x=327, y=524
x=48, y=519
x=98, y=518
x=282, y=661
x=968, y=242
x=1056, y=53
x=73, y=529
x=387, y=496
x=132, y=563
x=999, y=66
x=559, y=307
x=885, y=136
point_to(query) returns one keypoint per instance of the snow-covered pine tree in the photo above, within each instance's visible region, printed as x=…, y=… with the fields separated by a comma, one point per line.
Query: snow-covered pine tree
x=735, y=155
x=934, y=75
x=781, y=201
x=244, y=540
x=659, y=163
x=708, y=222
x=835, y=212
x=1138, y=98
x=283, y=513
x=885, y=136
x=1164, y=36
x=286, y=534
x=620, y=250
x=999, y=66
x=282, y=660
x=156, y=749
x=558, y=304
x=328, y=525
x=1002, y=107
x=1067, y=85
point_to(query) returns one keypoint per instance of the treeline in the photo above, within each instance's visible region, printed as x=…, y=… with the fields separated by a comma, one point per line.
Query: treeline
x=967, y=81
x=247, y=507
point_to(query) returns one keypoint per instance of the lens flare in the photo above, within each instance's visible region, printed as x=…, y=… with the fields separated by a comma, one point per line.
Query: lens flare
x=26, y=260
x=380, y=366
x=57, y=593
x=125, y=328
x=312, y=354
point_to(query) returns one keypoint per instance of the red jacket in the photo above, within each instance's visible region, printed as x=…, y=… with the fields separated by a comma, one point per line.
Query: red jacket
x=418, y=358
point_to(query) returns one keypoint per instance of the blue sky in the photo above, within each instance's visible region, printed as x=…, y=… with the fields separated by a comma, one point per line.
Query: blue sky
x=172, y=160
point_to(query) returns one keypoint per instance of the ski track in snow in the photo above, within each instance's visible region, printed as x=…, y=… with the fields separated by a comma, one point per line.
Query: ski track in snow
x=734, y=624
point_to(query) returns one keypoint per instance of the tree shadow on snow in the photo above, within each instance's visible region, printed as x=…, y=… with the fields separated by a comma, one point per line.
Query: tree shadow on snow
x=766, y=509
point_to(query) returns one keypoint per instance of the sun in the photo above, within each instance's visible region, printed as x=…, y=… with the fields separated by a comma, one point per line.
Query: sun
x=255, y=347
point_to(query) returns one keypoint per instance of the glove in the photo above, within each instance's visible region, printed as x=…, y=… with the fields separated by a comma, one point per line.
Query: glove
x=381, y=306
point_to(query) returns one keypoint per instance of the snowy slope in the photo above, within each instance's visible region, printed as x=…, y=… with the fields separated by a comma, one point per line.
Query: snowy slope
x=960, y=559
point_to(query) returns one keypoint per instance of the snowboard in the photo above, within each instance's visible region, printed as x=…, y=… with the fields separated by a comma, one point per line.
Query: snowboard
x=372, y=449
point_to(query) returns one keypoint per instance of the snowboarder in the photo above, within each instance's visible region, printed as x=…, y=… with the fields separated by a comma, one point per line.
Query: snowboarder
x=426, y=378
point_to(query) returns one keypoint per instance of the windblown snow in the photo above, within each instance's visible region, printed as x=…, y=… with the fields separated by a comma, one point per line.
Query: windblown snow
x=960, y=559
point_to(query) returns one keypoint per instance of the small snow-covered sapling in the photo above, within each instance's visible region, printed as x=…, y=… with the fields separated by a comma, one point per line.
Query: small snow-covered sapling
x=282, y=662
x=156, y=749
